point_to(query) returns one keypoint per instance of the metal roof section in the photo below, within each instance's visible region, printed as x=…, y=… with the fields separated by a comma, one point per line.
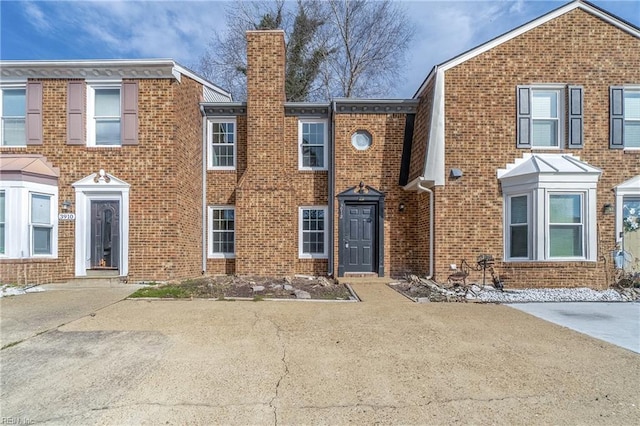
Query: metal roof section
x=109, y=69
x=547, y=164
x=631, y=186
x=28, y=167
x=577, y=4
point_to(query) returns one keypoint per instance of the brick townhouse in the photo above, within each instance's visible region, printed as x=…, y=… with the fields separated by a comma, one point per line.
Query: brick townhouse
x=101, y=170
x=526, y=148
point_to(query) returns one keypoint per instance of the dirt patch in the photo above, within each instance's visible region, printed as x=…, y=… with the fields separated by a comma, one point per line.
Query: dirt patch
x=230, y=287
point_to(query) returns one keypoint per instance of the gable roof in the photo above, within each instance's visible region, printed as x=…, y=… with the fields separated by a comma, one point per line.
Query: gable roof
x=434, y=171
x=577, y=4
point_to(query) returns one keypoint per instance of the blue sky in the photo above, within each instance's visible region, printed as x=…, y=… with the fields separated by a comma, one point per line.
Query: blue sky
x=31, y=30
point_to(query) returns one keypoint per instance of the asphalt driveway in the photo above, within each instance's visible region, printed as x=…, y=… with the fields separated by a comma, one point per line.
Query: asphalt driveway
x=386, y=361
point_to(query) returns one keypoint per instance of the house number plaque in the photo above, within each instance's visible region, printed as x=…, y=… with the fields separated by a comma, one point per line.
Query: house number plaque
x=67, y=216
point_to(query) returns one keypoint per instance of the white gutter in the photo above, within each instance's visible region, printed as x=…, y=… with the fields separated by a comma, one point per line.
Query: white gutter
x=204, y=190
x=421, y=180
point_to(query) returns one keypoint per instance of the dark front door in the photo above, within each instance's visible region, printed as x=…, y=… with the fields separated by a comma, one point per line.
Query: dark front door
x=360, y=238
x=105, y=234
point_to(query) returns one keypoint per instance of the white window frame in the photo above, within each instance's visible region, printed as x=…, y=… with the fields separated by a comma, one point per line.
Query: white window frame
x=301, y=232
x=91, y=107
x=214, y=254
x=41, y=225
x=3, y=225
x=548, y=224
x=15, y=86
x=627, y=90
x=210, y=144
x=508, y=225
x=325, y=144
x=560, y=119
x=18, y=227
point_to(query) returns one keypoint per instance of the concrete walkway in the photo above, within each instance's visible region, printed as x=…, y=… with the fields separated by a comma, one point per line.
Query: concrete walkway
x=617, y=323
x=383, y=361
x=29, y=314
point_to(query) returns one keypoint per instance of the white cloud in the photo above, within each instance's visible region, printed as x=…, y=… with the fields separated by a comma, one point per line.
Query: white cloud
x=132, y=29
x=36, y=16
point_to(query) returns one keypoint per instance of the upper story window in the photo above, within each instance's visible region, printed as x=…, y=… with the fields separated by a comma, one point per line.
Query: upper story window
x=13, y=111
x=312, y=145
x=103, y=115
x=625, y=117
x=545, y=118
x=547, y=113
x=222, y=143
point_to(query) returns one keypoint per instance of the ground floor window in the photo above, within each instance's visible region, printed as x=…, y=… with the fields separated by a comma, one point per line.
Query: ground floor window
x=549, y=215
x=41, y=224
x=28, y=220
x=221, y=231
x=2, y=216
x=561, y=226
x=518, y=241
x=312, y=225
x=565, y=228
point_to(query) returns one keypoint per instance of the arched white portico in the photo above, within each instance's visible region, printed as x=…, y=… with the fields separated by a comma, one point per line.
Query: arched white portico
x=94, y=237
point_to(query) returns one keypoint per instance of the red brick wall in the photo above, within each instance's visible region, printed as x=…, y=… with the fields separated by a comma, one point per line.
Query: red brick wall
x=576, y=48
x=379, y=167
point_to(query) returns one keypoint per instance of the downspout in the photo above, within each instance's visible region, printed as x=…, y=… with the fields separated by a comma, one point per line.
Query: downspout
x=421, y=179
x=204, y=190
x=331, y=192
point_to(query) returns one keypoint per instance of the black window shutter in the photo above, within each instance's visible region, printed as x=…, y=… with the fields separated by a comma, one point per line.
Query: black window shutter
x=524, y=117
x=616, y=117
x=576, y=133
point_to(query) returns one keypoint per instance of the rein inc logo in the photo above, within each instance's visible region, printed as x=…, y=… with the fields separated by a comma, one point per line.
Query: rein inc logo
x=16, y=421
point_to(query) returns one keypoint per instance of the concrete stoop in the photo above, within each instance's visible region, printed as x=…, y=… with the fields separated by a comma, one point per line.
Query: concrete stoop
x=99, y=278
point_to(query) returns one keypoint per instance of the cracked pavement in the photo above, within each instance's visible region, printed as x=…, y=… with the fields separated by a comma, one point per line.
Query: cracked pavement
x=386, y=360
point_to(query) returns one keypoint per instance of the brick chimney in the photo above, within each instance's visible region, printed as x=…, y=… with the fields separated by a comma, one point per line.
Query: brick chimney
x=265, y=211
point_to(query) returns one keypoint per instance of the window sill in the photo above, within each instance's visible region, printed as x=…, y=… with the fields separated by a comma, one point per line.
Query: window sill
x=550, y=263
x=313, y=256
x=43, y=259
x=221, y=256
x=221, y=169
x=312, y=170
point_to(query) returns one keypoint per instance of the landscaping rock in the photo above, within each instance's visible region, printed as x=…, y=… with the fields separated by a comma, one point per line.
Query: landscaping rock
x=257, y=288
x=301, y=294
x=324, y=282
x=288, y=287
x=276, y=286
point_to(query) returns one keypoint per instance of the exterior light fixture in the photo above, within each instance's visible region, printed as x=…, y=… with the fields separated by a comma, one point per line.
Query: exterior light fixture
x=607, y=209
x=401, y=207
x=66, y=205
x=455, y=173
